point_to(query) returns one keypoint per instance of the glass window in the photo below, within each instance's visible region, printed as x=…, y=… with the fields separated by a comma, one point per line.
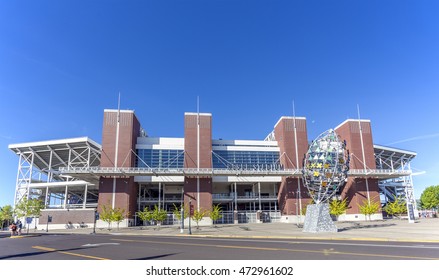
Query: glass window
x=160, y=158
x=244, y=159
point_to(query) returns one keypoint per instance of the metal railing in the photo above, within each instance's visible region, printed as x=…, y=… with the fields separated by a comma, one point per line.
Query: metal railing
x=248, y=217
x=231, y=196
x=379, y=173
x=227, y=217
x=144, y=171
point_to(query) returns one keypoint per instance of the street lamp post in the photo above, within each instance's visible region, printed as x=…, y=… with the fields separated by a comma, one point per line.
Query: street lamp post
x=182, y=211
x=49, y=220
x=190, y=215
x=94, y=223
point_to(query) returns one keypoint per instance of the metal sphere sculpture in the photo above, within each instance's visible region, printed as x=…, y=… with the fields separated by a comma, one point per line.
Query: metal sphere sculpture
x=325, y=167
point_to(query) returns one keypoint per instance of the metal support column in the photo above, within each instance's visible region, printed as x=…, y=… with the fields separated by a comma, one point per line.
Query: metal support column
x=65, y=197
x=17, y=184
x=163, y=195
x=31, y=169
x=50, y=173
x=236, y=197
x=259, y=196
x=160, y=195
x=46, y=202
x=84, y=205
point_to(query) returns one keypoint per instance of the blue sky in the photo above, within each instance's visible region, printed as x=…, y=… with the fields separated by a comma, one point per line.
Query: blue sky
x=63, y=62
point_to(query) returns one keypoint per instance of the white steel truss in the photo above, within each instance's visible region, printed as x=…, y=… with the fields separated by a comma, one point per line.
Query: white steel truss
x=401, y=187
x=38, y=175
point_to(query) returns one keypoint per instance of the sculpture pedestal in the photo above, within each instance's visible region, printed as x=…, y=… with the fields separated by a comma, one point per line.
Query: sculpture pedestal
x=317, y=219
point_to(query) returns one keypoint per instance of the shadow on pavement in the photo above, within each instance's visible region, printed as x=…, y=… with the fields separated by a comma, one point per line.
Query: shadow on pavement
x=154, y=257
x=363, y=226
x=24, y=255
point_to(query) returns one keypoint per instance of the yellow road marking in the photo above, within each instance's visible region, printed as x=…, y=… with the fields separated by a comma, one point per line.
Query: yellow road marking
x=67, y=253
x=324, y=252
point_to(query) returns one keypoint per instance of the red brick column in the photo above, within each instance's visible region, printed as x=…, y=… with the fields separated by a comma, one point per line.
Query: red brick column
x=126, y=188
x=284, y=134
x=355, y=189
x=205, y=158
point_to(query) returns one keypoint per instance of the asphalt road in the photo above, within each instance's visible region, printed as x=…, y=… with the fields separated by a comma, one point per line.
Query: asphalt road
x=126, y=247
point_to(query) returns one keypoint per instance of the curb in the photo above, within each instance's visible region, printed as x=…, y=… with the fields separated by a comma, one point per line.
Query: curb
x=25, y=236
x=370, y=239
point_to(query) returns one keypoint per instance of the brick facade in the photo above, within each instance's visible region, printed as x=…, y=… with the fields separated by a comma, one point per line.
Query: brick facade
x=284, y=134
x=205, y=158
x=355, y=189
x=126, y=188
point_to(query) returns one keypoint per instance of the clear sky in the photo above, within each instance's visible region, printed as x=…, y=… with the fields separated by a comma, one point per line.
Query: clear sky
x=63, y=62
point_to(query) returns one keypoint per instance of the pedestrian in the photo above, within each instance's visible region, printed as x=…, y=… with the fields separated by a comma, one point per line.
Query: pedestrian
x=19, y=227
x=13, y=229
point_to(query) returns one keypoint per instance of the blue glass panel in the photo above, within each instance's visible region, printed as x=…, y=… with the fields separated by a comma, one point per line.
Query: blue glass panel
x=160, y=158
x=249, y=159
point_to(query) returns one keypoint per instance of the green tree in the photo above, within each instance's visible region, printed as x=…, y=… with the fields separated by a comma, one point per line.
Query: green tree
x=159, y=215
x=216, y=213
x=29, y=208
x=430, y=198
x=106, y=214
x=198, y=216
x=118, y=215
x=6, y=215
x=369, y=208
x=145, y=215
x=177, y=212
x=396, y=208
x=338, y=207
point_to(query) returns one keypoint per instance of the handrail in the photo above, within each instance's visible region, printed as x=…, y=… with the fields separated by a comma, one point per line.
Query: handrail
x=144, y=171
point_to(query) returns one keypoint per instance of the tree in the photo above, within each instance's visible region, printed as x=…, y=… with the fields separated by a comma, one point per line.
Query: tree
x=396, y=208
x=106, y=214
x=338, y=207
x=430, y=198
x=198, y=216
x=177, y=212
x=29, y=208
x=368, y=208
x=118, y=215
x=145, y=215
x=6, y=215
x=159, y=215
x=216, y=213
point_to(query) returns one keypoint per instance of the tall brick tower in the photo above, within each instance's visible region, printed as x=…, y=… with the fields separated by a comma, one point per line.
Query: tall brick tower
x=293, y=144
x=198, y=153
x=122, y=191
x=358, y=136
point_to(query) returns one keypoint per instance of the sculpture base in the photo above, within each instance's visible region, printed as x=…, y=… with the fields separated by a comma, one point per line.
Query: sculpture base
x=317, y=219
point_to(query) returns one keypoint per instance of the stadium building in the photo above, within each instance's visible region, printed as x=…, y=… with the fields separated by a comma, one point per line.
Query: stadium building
x=252, y=180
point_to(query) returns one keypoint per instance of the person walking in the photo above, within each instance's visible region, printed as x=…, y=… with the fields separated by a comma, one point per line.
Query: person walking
x=19, y=227
x=13, y=229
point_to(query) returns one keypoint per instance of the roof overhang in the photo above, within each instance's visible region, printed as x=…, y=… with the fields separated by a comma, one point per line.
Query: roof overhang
x=49, y=156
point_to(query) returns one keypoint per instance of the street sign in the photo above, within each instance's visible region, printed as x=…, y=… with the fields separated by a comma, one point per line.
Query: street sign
x=29, y=220
x=97, y=215
x=191, y=210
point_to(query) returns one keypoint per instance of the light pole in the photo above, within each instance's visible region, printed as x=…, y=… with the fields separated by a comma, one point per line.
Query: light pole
x=182, y=219
x=49, y=220
x=94, y=223
x=182, y=211
x=190, y=215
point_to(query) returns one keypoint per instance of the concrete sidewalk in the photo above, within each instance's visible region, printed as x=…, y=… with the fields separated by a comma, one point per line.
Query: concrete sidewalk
x=424, y=230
